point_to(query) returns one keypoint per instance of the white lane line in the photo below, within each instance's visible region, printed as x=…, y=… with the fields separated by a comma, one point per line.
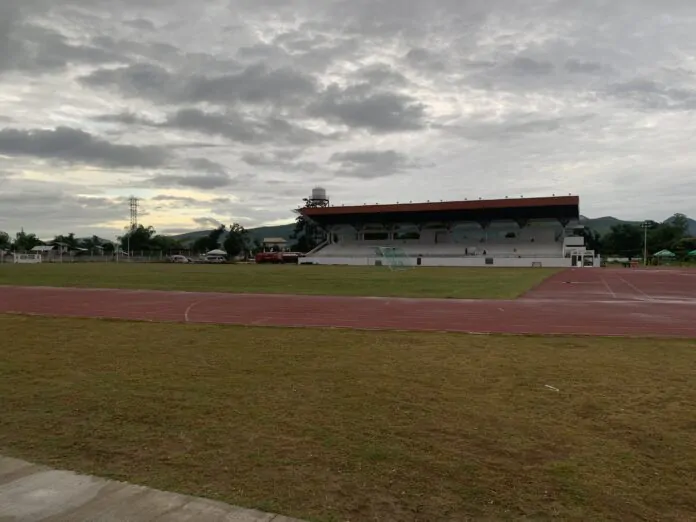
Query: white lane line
x=636, y=289
x=613, y=294
x=191, y=307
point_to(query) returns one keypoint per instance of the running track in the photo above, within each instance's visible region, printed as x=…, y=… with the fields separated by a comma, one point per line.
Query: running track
x=616, y=302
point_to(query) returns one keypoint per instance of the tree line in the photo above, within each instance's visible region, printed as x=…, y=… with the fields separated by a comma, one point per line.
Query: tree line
x=629, y=239
x=233, y=239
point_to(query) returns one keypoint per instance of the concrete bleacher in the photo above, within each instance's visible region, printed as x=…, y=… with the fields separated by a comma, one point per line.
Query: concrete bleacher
x=367, y=248
x=463, y=247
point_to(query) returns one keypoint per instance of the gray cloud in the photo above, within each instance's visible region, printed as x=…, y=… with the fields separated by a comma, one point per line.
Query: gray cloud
x=247, y=129
x=244, y=129
x=363, y=108
x=649, y=94
x=285, y=161
x=57, y=206
x=206, y=165
x=33, y=48
x=359, y=106
x=379, y=75
x=580, y=66
x=518, y=127
x=254, y=84
x=141, y=24
x=77, y=146
x=369, y=164
x=207, y=222
x=525, y=66
x=208, y=181
x=175, y=199
x=425, y=59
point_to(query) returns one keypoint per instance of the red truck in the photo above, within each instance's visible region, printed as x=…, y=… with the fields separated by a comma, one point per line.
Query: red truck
x=277, y=257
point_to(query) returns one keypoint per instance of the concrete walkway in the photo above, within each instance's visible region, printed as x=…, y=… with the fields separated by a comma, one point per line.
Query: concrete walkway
x=31, y=493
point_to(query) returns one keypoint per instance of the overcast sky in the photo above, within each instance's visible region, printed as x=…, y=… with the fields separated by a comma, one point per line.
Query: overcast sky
x=232, y=110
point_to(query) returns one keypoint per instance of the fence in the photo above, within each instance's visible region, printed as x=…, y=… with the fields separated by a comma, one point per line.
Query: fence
x=136, y=257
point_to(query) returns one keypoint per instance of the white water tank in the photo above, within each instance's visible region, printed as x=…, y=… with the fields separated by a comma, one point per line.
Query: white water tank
x=319, y=193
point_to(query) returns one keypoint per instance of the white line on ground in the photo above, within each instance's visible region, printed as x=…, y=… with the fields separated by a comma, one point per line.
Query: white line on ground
x=613, y=294
x=636, y=289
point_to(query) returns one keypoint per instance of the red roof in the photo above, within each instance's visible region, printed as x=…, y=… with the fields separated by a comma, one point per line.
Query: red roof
x=480, y=204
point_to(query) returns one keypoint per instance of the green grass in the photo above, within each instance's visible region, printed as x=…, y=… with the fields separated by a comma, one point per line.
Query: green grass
x=347, y=425
x=472, y=283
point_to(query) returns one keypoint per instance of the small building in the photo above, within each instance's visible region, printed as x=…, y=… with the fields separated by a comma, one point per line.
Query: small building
x=43, y=249
x=274, y=243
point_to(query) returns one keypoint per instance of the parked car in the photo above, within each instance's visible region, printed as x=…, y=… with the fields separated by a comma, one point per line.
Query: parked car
x=215, y=259
x=179, y=259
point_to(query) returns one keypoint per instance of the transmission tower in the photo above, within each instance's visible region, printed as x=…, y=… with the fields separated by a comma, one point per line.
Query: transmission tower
x=133, y=204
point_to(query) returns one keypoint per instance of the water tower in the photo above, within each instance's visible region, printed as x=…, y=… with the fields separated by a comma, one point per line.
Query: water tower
x=318, y=198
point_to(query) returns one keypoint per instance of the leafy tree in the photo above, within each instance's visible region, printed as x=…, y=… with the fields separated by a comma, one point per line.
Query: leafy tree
x=680, y=222
x=684, y=246
x=665, y=236
x=25, y=242
x=211, y=241
x=92, y=243
x=95, y=244
x=307, y=235
x=624, y=240
x=5, y=242
x=66, y=242
x=165, y=244
x=237, y=241
x=256, y=246
x=138, y=239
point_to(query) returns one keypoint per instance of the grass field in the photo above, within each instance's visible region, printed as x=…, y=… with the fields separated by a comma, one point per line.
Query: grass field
x=471, y=283
x=347, y=425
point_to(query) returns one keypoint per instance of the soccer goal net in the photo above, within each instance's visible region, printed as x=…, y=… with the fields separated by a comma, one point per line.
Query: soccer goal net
x=395, y=258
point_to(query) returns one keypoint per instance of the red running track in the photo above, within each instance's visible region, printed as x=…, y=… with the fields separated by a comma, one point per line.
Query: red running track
x=577, y=301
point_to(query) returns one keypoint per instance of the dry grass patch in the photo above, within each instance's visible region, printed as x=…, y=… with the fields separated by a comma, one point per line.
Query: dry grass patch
x=344, y=425
x=472, y=283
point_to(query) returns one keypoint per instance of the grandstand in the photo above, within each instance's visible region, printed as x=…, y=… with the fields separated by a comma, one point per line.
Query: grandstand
x=501, y=232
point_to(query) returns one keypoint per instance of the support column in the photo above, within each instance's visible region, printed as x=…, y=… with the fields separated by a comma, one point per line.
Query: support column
x=485, y=224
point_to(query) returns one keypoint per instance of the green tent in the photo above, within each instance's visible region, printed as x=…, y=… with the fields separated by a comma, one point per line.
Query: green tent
x=692, y=253
x=664, y=253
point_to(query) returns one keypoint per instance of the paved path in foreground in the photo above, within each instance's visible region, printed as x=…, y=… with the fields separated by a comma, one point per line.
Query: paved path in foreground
x=31, y=493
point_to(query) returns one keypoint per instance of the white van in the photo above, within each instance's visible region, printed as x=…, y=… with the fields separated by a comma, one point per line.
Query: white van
x=215, y=259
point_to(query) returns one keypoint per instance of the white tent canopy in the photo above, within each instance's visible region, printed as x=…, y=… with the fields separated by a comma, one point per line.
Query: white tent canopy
x=216, y=252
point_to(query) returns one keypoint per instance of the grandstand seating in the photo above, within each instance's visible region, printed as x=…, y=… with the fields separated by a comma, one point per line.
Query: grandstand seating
x=528, y=242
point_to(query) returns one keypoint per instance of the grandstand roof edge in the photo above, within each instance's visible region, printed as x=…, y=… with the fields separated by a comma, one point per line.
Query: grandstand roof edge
x=443, y=206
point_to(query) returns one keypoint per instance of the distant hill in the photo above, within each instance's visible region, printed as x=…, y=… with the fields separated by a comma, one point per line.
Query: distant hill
x=603, y=224
x=259, y=233
x=692, y=226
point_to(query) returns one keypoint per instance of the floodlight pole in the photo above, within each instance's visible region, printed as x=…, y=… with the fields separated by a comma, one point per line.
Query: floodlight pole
x=645, y=225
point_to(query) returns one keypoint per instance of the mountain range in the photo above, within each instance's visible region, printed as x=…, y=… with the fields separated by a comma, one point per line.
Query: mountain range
x=602, y=225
